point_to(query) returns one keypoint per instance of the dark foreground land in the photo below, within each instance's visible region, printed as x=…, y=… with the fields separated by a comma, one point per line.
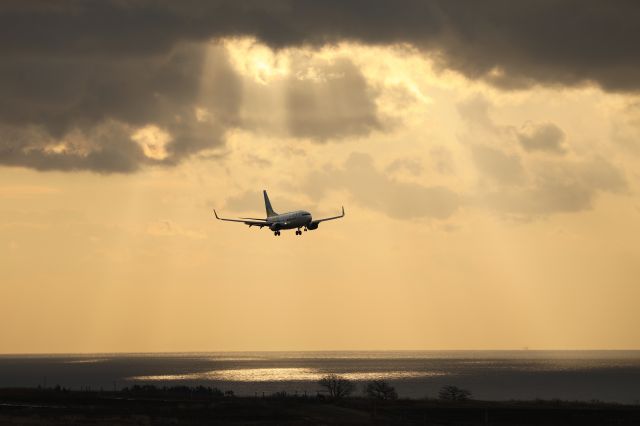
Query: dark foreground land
x=199, y=407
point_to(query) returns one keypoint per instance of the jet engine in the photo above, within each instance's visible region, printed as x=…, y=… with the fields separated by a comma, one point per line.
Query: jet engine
x=313, y=225
x=275, y=226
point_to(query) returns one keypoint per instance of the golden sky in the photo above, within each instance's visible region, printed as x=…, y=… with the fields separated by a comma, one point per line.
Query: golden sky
x=478, y=216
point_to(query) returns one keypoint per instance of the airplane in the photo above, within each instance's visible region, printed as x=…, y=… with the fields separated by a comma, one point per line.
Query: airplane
x=275, y=222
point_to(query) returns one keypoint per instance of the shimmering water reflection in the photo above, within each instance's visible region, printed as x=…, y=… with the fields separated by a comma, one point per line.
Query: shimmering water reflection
x=283, y=375
x=573, y=375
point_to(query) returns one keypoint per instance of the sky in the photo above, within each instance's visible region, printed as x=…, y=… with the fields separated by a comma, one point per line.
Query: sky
x=486, y=154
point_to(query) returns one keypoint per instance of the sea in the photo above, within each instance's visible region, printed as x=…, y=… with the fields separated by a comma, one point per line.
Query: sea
x=607, y=376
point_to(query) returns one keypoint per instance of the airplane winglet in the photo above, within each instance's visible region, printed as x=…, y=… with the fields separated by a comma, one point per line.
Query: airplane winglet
x=215, y=213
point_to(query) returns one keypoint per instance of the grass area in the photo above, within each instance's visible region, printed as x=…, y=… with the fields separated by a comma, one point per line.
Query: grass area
x=199, y=406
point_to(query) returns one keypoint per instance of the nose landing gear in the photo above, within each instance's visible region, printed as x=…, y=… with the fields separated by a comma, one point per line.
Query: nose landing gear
x=276, y=233
x=298, y=232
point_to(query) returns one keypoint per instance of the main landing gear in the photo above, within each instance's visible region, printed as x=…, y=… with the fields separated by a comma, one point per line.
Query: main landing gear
x=277, y=233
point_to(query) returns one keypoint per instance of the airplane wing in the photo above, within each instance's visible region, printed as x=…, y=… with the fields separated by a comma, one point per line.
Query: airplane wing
x=330, y=218
x=251, y=222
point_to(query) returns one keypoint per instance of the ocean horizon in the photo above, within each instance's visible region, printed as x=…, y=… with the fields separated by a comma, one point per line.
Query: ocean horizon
x=577, y=375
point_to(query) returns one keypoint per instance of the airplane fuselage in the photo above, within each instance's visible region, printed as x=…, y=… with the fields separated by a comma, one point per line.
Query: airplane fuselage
x=290, y=220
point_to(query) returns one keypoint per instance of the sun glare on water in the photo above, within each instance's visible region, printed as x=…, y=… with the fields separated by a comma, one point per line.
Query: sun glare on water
x=283, y=374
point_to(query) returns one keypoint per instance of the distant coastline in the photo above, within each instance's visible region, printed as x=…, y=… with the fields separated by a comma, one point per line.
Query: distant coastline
x=612, y=376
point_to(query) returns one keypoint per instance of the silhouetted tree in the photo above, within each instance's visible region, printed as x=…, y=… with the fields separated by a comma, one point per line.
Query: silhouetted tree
x=454, y=393
x=379, y=389
x=337, y=386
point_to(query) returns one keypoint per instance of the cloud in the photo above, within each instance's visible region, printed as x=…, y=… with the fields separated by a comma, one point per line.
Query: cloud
x=373, y=189
x=63, y=91
x=600, y=174
x=257, y=161
x=543, y=137
x=541, y=200
x=556, y=187
x=117, y=114
x=332, y=102
x=70, y=70
x=105, y=148
x=532, y=137
x=528, y=186
x=408, y=165
x=79, y=113
x=442, y=160
x=253, y=201
x=495, y=164
x=246, y=201
x=475, y=113
x=296, y=93
x=508, y=44
x=625, y=128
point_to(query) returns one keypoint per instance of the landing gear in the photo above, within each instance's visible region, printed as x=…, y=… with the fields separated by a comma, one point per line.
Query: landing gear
x=276, y=233
x=298, y=232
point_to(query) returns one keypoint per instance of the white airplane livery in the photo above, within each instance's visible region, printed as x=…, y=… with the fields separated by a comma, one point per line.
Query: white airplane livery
x=297, y=220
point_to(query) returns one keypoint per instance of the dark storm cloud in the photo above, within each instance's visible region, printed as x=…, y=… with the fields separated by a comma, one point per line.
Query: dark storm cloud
x=73, y=66
x=113, y=152
x=102, y=98
x=61, y=92
x=506, y=42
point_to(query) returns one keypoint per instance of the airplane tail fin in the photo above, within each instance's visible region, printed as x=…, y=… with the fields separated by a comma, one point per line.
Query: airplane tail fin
x=267, y=205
